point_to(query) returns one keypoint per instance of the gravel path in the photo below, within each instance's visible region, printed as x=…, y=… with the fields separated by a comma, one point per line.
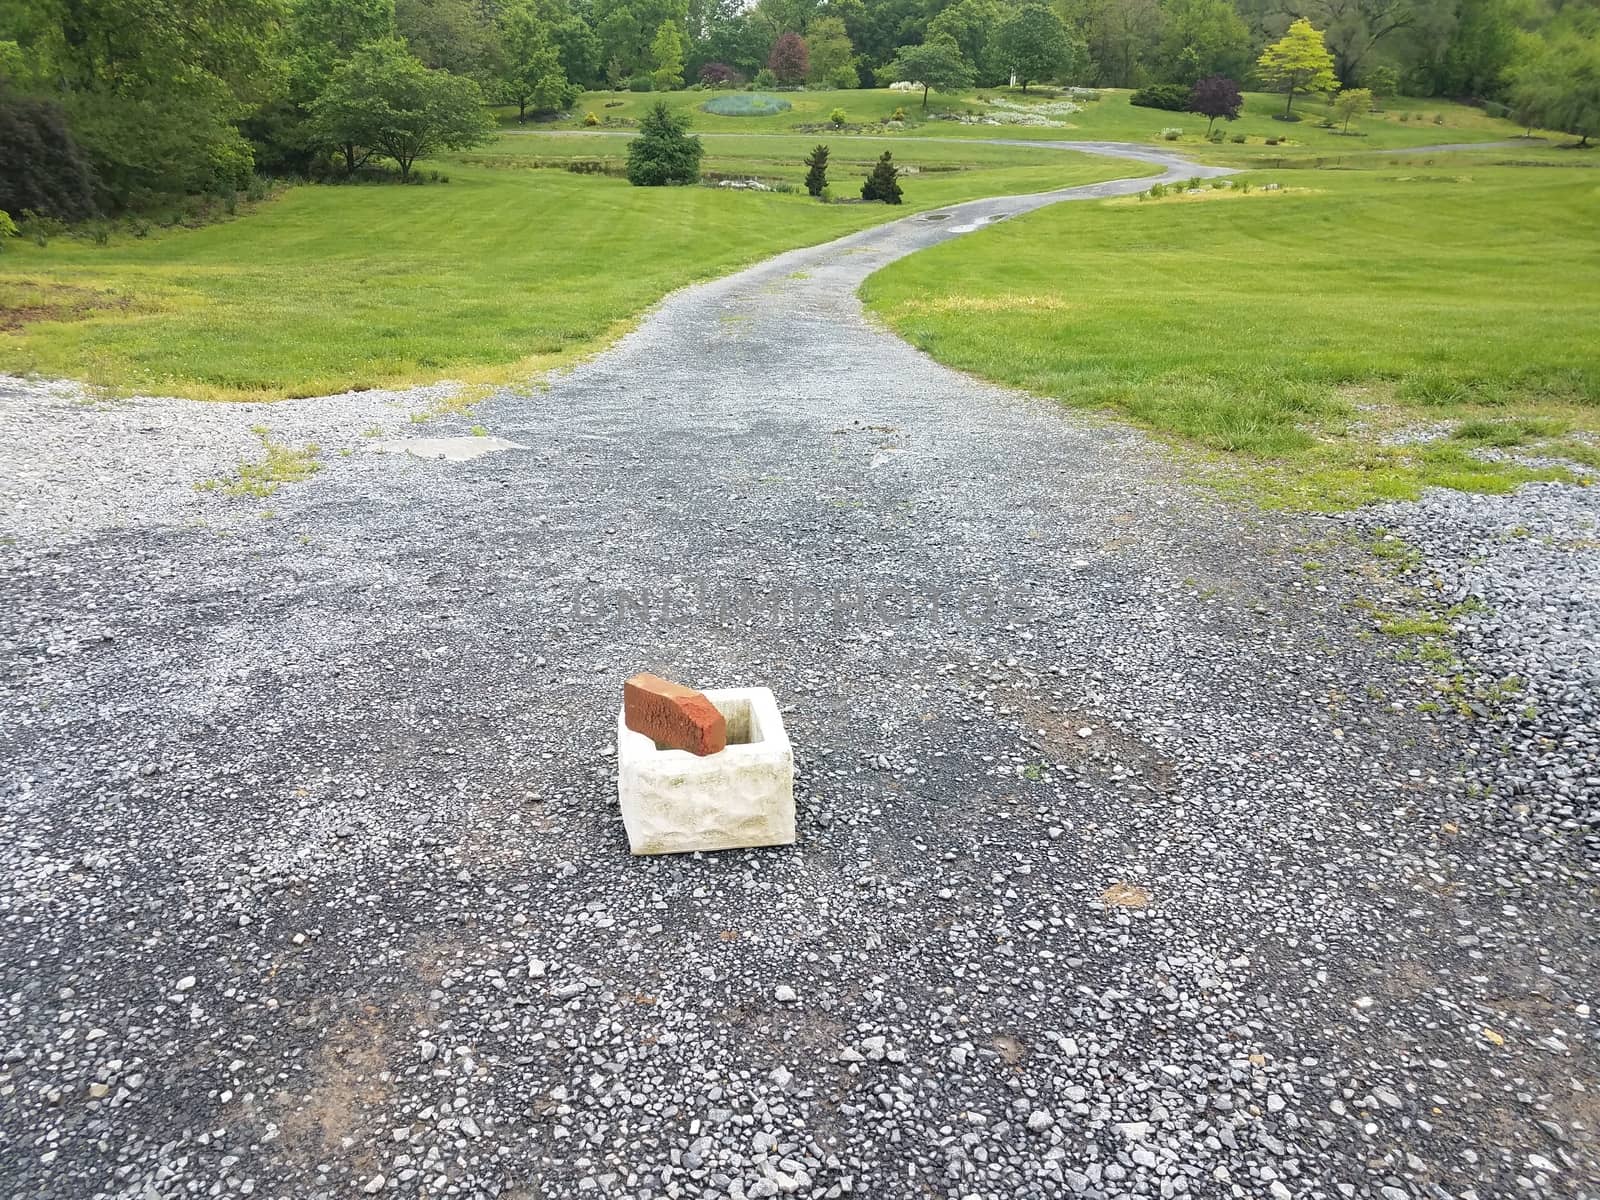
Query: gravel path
x=1130, y=863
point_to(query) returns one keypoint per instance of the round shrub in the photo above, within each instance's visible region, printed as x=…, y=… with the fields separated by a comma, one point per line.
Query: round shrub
x=746, y=104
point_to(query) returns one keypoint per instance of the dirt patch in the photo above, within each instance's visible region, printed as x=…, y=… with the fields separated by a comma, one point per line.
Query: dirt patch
x=1125, y=895
x=1088, y=743
x=25, y=302
x=349, y=1078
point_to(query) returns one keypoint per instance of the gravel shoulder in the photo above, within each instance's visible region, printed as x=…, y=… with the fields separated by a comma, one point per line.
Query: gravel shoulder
x=1133, y=862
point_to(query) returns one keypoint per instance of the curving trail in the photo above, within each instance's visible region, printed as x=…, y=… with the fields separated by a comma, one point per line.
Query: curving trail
x=1120, y=862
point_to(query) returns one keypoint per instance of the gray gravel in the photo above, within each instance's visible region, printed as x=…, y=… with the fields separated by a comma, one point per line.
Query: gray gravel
x=1129, y=864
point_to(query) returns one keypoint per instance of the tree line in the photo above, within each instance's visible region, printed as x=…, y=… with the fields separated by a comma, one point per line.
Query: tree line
x=106, y=103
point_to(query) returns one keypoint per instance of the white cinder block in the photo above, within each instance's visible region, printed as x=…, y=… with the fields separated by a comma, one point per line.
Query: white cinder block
x=674, y=801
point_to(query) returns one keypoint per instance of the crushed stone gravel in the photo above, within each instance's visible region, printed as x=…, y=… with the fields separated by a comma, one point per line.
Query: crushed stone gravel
x=1132, y=862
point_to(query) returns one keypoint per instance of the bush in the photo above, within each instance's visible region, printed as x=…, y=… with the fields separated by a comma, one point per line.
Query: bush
x=899, y=114
x=1157, y=191
x=8, y=228
x=746, y=104
x=765, y=80
x=664, y=152
x=1237, y=139
x=837, y=117
x=1171, y=134
x=1215, y=137
x=1172, y=97
x=884, y=182
x=45, y=171
x=641, y=83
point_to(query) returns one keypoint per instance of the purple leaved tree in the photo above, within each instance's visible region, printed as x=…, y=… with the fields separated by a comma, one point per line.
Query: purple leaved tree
x=1216, y=96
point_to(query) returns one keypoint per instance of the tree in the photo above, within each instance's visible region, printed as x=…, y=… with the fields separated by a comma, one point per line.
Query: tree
x=971, y=25
x=1558, y=84
x=1121, y=36
x=1353, y=29
x=458, y=36
x=45, y=171
x=153, y=93
x=1382, y=82
x=790, y=59
x=384, y=99
x=1033, y=44
x=625, y=30
x=1481, y=50
x=1297, y=63
x=321, y=34
x=1351, y=102
x=666, y=54
x=531, y=71
x=884, y=182
x=817, y=170
x=1216, y=96
x=1201, y=38
x=936, y=64
x=664, y=152
x=828, y=46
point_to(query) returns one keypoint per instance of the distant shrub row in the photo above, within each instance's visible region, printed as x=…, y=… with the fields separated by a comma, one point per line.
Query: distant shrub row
x=1170, y=97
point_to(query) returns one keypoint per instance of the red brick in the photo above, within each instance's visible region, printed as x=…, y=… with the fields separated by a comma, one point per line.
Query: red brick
x=673, y=716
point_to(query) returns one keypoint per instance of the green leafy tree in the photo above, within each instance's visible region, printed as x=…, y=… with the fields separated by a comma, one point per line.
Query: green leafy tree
x=321, y=34
x=664, y=152
x=1033, y=44
x=831, y=53
x=384, y=99
x=666, y=56
x=1297, y=64
x=1480, y=52
x=1558, y=84
x=531, y=71
x=317, y=36
x=1354, y=29
x=1382, y=82
x=971, y=25
x=817, y=170
x=1200, y=38
x=884, y=182
x=626, y=29
x=153, y=92
x=1349, y=104
x=459, y=36
x=934, y=65
x=1121, y=37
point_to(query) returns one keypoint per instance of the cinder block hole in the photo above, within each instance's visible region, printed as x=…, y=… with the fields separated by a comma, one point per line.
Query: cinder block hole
x=743, y=727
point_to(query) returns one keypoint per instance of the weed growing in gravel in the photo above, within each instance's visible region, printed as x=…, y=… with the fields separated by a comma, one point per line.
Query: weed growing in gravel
x=280, y=463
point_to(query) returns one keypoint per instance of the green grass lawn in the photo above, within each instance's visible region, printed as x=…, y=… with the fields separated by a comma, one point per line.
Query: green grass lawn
x=496, y=275
x=1403, y=123
x=806, y=108
x=1297, y=331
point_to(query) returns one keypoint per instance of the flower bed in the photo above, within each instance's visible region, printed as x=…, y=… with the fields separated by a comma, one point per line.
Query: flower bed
x=746, y=104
